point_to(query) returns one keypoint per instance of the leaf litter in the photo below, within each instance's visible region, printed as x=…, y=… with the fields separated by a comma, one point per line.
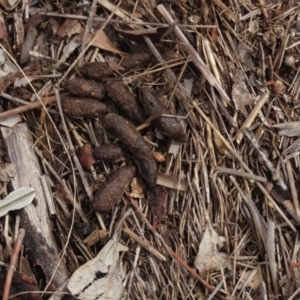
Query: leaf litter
x=226, y=199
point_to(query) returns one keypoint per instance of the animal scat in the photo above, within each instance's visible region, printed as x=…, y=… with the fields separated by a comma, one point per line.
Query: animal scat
x=83, y=107
x=136, y=60
x=131, y=140
x=169, y=126
x=108, y=152
x=125, y=100
x=96, y=70
x=112, y=190
x=85, y=88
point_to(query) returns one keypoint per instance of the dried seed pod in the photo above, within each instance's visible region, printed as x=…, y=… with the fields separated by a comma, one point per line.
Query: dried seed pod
x=136, y=60
x=290, y=61
x=96, y=70
x=278, y=87
x=109, y=152
x=85, y=88
x=154, y=107
x=85, y=156
x=111, y=191
x=158, y=157
x=83, y=107
x=125, y=100
x=132, y=141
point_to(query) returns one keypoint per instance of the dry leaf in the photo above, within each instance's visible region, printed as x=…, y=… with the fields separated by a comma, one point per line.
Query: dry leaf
x=292, y=148
x=85, y=282
x=253, y=26
x=137, y=188
x=7, y=171
x=17, y=199
x=8, y=5
x=6, y=66
x=245, y=57
x=154, y=34
x=251, y=279
x=11, y=121
x=240, y=93
x=209, y=258
x=69, y=27
x=289, y=128
x=67, y=51
x=102, y=41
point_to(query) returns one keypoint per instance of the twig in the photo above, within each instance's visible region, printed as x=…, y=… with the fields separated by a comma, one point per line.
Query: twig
x=248, y=122
x=226, y=10
x=293, y=186
x=242, y=174
x=174, y=255
x=12, y=264
x=194, y=54
x=144, y=244
x=37, y=104
x=87, y=30
x=72, y=150
x=275, y=174
x=239, y=159
x=129, y=22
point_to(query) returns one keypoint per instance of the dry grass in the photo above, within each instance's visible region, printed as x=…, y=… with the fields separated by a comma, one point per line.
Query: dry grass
x=232, y=78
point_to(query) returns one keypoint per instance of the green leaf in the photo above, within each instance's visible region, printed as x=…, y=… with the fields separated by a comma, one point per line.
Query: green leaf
x=17, y=199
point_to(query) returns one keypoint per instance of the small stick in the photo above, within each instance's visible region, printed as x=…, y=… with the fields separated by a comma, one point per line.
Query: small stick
x=293, y=186
x=37, y=104
x=194, y=54
x=88, y=26
x=248, y=122
x=12, y=264
x=226, y=10
x=241, y=174
x=72, y=150
x=242, y=163
x=173, y=254
x=144, y=244
x=128, y=22
x=275, y=174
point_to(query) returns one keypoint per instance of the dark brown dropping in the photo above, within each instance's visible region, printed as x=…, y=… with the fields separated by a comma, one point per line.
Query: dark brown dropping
x=83, y=107
x=96, y=70
x=85, y=88
x=125, y=100
x=112, y=190
x=154, y=107
x=131, y=140
x=108, y=152
x=136, y=60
